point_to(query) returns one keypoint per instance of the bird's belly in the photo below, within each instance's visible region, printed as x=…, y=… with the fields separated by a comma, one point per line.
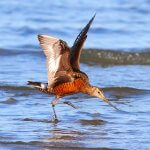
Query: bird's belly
x=69, y=88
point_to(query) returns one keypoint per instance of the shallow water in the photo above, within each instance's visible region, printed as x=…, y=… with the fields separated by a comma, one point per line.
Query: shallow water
x=118, y=24
x=123, y=72
x=26, y=113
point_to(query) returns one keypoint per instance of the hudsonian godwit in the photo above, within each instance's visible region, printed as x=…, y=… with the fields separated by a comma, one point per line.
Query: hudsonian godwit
x=64, y=74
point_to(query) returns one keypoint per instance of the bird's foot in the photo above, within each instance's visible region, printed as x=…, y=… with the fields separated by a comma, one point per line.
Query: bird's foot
x=70, y=104
x=54, y=119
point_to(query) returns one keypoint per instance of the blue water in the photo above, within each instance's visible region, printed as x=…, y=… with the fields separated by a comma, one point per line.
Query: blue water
x=118, y=24
x=116, y=58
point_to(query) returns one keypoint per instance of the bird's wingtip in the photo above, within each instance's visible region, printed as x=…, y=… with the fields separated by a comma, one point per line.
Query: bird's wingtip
x=94, y=15
x=29, y=82
x=40, y=35
x=44, y=36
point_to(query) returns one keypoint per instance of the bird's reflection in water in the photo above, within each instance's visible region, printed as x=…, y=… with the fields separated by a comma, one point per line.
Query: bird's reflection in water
x=75, y=133
x=64, y=138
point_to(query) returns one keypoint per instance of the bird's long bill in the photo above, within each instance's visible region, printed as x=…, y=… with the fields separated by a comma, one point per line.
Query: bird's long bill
x=107, y=101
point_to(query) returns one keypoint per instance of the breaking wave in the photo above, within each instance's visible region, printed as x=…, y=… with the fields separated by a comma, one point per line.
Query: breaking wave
x=111, y=57
x=97, y=56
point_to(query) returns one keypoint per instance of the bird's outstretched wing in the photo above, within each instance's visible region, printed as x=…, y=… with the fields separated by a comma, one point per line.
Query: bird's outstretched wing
x=57, y=59
x=77, y=46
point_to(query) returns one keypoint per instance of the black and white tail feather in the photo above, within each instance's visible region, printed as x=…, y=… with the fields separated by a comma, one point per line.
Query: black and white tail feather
x=40, y=86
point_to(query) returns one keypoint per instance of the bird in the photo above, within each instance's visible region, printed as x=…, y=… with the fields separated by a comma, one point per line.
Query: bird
x=63, y=66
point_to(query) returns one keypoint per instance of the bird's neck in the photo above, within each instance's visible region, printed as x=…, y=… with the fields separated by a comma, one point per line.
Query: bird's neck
x=88, y=90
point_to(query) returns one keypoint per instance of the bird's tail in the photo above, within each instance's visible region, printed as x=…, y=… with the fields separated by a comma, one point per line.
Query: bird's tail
x=35, y=84
x=38, y=85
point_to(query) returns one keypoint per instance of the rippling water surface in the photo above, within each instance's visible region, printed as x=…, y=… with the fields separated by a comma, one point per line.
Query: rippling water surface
x=116, y=58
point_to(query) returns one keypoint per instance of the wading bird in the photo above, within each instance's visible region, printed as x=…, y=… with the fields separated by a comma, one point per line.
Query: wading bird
x=64, y=74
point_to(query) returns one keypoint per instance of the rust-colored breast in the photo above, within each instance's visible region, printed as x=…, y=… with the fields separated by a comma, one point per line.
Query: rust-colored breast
x=69, y=87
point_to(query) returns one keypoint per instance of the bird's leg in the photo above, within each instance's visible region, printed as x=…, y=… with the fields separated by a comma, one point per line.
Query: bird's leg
x=70, y=104
x=54, y=102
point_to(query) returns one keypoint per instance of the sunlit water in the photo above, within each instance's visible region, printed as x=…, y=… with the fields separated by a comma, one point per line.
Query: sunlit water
x=26, y=113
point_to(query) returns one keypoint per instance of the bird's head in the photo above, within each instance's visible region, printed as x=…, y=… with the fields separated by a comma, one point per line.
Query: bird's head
x=97, y=92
